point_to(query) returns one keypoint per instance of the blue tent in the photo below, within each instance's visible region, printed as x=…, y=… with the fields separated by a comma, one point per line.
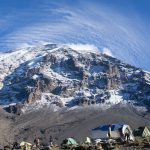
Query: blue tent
x=117, y=131
x=106, y=127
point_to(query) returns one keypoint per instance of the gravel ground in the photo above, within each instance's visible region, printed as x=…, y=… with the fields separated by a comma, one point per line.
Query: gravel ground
x=75, y=123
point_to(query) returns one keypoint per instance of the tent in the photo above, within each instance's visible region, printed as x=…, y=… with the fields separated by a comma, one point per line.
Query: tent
x=25, y=145
x=148, y=127
x=117, y=131
x=70, y=141
x=88, y=140
x=142, y=131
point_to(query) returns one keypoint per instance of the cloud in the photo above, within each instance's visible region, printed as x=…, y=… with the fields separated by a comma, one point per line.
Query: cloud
x=84, y=47
x=107, y=51
x=81, y=22
x=24, y=45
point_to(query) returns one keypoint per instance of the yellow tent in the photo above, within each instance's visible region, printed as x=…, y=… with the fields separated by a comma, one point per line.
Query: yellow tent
x=25, y=145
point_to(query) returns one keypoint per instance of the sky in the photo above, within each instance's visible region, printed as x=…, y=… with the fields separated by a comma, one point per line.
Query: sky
x=117, y=27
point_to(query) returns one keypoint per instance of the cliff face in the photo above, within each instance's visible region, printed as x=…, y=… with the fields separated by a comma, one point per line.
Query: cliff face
x=63, y=77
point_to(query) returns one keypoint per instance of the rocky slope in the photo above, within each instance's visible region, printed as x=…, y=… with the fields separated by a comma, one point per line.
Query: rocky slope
x=57, y=76
x=65, y=123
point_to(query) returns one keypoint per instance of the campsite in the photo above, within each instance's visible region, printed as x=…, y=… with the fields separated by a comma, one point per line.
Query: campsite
x=74, y=75
x=103, y=137
x=79, y=125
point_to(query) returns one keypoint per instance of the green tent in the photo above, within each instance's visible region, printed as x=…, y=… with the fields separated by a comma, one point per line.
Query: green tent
x=148, y=127
x=70, y=141
x=142, y=131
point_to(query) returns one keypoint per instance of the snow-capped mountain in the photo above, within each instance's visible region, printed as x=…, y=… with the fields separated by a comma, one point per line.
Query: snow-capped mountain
x=59, y=76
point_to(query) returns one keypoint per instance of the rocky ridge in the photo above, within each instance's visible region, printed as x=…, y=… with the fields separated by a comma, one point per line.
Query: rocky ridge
x=58, y=76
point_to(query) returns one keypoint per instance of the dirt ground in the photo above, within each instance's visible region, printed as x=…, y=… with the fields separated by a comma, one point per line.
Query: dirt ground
x=76, y=123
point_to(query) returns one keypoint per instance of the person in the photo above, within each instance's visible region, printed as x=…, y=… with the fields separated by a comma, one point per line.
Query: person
x=51, y=140
x=109, y=131
x=37, y=142
x=127, y=135
x=15, y=145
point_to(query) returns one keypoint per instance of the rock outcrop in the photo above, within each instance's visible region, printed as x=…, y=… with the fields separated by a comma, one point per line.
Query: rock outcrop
x=65, y=77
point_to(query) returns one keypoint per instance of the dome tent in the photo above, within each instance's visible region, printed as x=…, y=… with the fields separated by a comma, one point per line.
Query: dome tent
x=142, y=131
x=69, y=141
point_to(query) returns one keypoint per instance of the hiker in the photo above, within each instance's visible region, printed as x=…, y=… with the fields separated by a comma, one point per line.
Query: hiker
x=15, y=145
x=37, y=142
x=51, y=140
x=127, y=135
x=109, y=131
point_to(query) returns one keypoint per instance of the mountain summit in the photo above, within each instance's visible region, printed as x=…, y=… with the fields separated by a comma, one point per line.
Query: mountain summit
x=58, y=76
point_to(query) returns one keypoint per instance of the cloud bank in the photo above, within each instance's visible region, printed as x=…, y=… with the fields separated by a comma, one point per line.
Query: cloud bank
x=107, y=52
x=120, y=27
